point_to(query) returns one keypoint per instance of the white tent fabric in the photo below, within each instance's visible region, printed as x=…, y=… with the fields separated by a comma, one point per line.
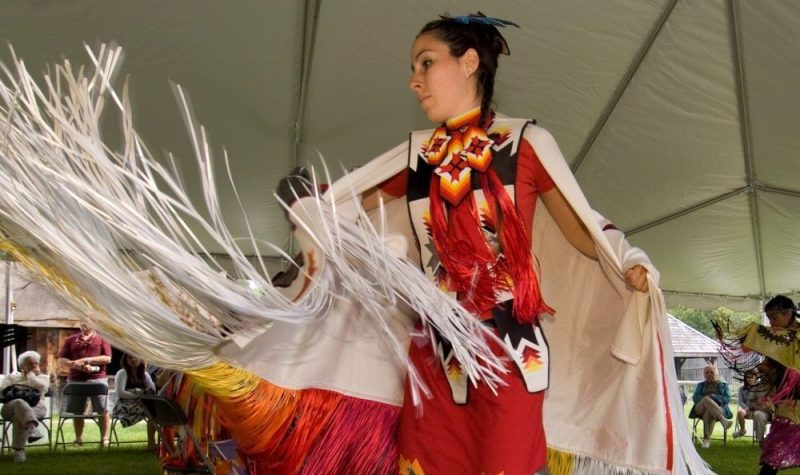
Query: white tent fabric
x=678, y=117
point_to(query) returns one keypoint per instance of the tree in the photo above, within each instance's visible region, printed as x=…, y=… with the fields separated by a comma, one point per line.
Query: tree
x=701, y=320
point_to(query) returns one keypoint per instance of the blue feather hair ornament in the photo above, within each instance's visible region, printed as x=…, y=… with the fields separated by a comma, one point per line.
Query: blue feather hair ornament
x=481, y=19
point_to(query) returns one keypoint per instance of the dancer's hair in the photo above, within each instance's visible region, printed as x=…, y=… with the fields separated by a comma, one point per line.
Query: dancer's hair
x=484, y=38
x=781, y=302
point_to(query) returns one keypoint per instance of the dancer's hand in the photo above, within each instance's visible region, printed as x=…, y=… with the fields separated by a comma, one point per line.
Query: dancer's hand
x=636, y=277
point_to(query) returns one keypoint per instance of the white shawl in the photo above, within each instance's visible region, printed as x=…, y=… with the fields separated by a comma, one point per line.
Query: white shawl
x=613, y=401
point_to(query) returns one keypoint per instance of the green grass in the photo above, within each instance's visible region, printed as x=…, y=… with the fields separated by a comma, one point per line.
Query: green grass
x=130, y=458
x=737, y=457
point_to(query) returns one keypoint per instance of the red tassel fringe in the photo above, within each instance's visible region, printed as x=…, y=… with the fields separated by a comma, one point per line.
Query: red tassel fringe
x=479, y=278
x=467, y=272
x=515, y=242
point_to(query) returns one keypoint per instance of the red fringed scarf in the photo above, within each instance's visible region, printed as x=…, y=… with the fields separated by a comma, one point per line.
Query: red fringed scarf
x=458, y=148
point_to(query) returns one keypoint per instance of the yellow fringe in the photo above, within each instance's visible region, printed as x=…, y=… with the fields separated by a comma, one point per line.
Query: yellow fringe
x=47, y=273
x=225, y=381
x=62, y=284
x=559, y=463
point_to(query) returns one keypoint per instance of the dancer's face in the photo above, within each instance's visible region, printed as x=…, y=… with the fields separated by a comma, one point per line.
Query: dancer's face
x=779, y=318
x=445, y=85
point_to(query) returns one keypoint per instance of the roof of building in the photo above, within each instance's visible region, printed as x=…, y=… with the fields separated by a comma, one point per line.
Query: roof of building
x=690, y=343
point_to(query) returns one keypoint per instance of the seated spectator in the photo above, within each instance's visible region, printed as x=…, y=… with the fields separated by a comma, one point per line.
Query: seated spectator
x=711, y=399
x=23, y=416
x=752, y=406
x=132, y=381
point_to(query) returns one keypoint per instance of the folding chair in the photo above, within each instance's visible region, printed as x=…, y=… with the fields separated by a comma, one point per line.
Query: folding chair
x=165, y=412
x=80, y=390
x=696, y=437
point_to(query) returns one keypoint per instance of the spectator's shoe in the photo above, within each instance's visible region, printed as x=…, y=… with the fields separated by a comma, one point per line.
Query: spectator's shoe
x=34, y=435
x=19, y=456
x=739, y=433
x=706, y=444
x=727, y=423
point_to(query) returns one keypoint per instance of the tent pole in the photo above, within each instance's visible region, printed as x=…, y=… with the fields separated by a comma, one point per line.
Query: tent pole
x=9, y=352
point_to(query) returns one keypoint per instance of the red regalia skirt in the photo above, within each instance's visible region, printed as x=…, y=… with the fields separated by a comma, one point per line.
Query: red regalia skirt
x=489, y=435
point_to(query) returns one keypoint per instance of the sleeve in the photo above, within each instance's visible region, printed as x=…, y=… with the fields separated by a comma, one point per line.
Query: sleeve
x=532, y=180
x=725, y=394
x=8, y=381
x=698, y=392
x=105, y=348
x=148, y=382
x=41, y=382
x=629, y=256
x=120, y=385
x=308, y=214
x=742, y=396
x=397, y=185
x=64, y=351
x=762, y=339
x=530, y=171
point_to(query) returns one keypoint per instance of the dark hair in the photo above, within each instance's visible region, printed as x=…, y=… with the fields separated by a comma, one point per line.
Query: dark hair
x=487, y=42
x=135, y=375
x=781, y=302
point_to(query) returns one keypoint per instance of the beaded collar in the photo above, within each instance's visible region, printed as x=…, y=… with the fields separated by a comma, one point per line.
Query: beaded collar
x=456, y=148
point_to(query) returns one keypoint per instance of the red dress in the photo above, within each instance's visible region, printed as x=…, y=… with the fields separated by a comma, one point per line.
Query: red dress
x=487, y=433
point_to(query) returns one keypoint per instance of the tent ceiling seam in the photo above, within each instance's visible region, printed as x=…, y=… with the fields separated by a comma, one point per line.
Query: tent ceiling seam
x=779, y=191
x=622, y=86
x=747, y=145
x=310, y=17
x=741, y=92
x=708, y=294
x=691, y=209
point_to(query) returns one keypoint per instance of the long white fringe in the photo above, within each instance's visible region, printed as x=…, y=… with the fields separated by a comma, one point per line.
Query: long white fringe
x=120, y=226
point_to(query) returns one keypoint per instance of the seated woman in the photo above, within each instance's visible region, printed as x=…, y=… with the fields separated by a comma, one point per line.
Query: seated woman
x=711, y=399
x=23, y=416
x=752, y=405
x=130, y=382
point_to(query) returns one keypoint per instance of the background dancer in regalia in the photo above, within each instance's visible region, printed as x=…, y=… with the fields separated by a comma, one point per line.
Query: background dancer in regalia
x=775, y=351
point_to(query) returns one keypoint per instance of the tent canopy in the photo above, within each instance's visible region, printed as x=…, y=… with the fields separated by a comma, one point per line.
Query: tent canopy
x=678, y=117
